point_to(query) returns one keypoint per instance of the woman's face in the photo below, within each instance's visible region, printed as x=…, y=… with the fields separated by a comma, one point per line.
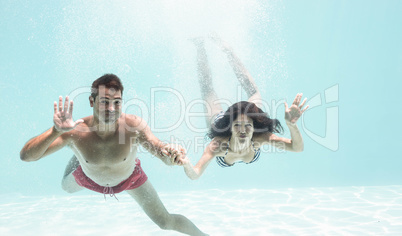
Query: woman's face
x=242, y=128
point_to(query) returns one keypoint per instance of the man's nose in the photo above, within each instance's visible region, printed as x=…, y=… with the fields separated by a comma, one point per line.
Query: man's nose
x=111, y=108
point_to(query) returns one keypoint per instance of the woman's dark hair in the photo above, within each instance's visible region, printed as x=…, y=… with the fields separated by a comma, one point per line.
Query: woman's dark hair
x=261, y=121
x=109, y=81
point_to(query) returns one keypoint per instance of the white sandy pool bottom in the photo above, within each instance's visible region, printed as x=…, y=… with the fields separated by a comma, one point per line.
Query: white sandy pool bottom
x=300, y=211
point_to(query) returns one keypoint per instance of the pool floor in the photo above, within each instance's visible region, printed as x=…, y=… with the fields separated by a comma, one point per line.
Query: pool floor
x=374, y=210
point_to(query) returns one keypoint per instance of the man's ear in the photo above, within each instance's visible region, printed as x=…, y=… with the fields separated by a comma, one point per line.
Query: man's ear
x=91, y=101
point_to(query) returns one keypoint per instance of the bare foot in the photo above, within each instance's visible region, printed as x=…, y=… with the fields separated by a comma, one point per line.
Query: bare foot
x=198, y=41
x=224, y=46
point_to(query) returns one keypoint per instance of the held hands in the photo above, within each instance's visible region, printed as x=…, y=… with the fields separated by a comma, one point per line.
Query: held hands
x=62, y=118
x=293, y=113
x=176, y=154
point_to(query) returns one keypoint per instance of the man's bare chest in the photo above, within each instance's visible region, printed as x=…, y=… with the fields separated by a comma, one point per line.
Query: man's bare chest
x=97, y=150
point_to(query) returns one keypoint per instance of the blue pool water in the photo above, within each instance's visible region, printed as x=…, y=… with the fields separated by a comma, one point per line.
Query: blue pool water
x=345, y=56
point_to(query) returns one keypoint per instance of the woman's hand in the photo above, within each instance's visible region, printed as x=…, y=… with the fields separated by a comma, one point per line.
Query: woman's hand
x=63, y=118
x=183, y=160
x=175, y=153
x=293, y=113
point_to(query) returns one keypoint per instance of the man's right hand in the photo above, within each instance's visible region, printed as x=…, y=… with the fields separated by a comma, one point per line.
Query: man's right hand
x=62, y=118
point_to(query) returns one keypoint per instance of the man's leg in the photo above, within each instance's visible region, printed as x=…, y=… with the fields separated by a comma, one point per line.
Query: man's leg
x=148, y=199
x=68, y=183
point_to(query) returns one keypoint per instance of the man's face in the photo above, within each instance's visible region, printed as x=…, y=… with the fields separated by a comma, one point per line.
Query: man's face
x=107, y=105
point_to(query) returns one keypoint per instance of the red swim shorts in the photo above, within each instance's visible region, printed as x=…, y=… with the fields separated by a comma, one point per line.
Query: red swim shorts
x=136, y=179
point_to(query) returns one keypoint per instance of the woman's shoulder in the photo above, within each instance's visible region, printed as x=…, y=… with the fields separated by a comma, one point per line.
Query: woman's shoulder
x=220, y=140
x=219, y=145
x=261, y=139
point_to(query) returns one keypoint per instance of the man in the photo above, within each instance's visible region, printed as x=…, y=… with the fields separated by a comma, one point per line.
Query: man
x=105, y=146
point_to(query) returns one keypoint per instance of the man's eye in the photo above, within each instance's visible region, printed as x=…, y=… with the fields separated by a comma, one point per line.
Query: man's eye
x=117, y=102
x=104, y=102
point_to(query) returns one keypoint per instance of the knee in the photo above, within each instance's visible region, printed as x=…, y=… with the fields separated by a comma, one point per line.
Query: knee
x=66, y=187
x=68, y=190
x=165, y=223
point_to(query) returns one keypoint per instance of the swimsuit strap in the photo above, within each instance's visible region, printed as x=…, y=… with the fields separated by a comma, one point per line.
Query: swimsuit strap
x=252, y=143
x=227, y=149
x=256, y=156
x=221, y=159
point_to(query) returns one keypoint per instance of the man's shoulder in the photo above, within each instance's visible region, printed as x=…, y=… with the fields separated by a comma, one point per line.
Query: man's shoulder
x=87, y=119
x=80, y=129
x=133, y=121
x=86, y=123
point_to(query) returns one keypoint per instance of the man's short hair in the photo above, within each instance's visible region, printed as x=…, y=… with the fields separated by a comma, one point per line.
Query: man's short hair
x=109, y=81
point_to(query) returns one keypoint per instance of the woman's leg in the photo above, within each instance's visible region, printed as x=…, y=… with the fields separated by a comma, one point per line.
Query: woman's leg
x=243, y=76
x=212, y=107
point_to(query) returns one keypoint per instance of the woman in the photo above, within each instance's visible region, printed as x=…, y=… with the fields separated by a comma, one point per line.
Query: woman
x=239, y=133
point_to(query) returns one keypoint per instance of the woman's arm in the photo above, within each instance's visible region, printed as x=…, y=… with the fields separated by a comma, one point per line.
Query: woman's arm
x=295, y=144
x=292, y=114
x=194, y=172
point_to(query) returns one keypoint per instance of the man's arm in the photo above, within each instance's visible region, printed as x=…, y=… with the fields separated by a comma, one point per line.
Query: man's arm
x=48, y=142
x=151, y=143
x=154, y=146
x=52, y=139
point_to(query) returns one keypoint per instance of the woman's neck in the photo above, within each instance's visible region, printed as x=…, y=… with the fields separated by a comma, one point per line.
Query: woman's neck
x=238, y=146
